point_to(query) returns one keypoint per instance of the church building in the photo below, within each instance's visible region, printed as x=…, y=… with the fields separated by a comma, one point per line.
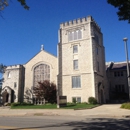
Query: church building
x=78, y=70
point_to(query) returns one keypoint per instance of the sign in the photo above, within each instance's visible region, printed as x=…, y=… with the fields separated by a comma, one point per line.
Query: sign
x=62, y=101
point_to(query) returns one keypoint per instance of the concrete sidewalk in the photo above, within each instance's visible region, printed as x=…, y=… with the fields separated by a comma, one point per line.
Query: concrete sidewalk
x=112, y=110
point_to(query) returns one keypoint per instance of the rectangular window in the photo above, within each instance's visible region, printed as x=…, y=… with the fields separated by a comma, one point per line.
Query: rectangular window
x=120, y=88
x=75, y=64
x=74, y=35
x=15, y=84
x=121, y=73
x=75, y=49
x=76, y=99
x=76, y=82
x=118, y=73
x=115, y=74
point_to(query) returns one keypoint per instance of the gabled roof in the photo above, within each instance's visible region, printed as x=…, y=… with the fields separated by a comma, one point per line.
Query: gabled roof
x=116, y=66
x=119, y=66
x=40, y=52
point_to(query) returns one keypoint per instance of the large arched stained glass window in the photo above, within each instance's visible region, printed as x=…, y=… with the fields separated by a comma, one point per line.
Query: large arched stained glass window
x=41, y=73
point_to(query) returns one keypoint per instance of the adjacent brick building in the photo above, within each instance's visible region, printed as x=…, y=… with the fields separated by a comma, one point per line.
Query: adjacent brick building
x=117, y=80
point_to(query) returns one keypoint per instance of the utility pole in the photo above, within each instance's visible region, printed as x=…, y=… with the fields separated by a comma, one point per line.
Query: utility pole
x=127, y=61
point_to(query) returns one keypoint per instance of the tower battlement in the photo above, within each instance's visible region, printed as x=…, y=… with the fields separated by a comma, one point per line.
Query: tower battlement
x=14, y=67
x=79, y=21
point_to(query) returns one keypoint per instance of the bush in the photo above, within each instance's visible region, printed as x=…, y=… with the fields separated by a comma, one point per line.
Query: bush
x=92, y=100
x=74, y=100
x=125, y=105
x=21, y=104
x=15, y=104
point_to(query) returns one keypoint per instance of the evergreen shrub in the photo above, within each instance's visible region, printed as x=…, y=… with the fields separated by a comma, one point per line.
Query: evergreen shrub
x=92, y=100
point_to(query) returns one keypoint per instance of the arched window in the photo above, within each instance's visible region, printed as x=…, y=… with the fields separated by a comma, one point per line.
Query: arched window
x=41, y=73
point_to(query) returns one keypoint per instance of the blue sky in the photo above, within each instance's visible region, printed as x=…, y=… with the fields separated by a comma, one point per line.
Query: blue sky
x=22, y=32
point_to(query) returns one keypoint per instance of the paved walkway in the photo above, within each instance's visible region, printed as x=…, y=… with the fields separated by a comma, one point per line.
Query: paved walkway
x=112, y=110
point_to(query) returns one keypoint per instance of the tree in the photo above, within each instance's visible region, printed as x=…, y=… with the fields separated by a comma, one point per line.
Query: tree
x=46, y=90
x=5, y=3
x=123, y=8
x=2, y=70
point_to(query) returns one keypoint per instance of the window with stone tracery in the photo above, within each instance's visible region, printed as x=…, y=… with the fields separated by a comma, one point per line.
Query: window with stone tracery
x=41, y=73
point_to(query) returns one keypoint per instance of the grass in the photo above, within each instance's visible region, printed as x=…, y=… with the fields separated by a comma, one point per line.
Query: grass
x=125, y=105
x=80, y=106
x=54, y=106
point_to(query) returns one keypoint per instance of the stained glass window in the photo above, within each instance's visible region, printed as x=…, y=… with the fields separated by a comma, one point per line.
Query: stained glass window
x=41, y=73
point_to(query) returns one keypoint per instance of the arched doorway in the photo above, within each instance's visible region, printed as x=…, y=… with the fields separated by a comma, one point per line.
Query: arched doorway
x=5, y=96
x=100, y=93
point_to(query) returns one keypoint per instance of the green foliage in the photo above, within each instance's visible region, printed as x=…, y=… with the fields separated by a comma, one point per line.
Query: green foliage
x=74, y=100
x=92, y=100
x=21, y=104
x=46, y=90
x=125, y=105
x=2, y=68
x=5, y=3
x=23, y=3
x=123, y=8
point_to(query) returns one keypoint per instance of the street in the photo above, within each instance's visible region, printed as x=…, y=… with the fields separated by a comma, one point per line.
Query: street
x=63, y=123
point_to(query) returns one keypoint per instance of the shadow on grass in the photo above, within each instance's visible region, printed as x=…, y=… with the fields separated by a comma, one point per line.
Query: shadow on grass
x=88, y=124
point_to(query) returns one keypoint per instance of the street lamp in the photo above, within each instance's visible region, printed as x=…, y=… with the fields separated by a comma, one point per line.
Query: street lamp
x=127, y=61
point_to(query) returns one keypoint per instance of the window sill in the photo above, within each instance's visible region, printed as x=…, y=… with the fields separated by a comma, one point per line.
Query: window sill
x=76, y=70
x=76, y=88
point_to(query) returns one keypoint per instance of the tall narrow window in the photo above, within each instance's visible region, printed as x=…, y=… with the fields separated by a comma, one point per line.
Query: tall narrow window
x=76, y=82
x=98, y=67
x=121, y=73
x=79, y=34
x=15, y=84
x=70, y=36
x=75, y=64
x=75, y=35
x=9, y=75
x=75, y=49
x=97, y=50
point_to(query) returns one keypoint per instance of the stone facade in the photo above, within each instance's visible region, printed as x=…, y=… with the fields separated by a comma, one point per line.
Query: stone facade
x=90, y=58
x=13, y=84
x=42, y=58
x=78, y=71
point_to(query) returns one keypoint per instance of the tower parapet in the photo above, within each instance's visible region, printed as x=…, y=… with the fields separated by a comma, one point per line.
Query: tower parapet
x=79, y=21
x=14, y=67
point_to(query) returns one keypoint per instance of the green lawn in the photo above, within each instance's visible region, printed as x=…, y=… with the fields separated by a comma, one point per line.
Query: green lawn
x=54, y=106
x=126, y=105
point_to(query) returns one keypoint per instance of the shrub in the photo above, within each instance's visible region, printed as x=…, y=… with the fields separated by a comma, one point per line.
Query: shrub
x=74, y=100
x=21, y=104
x=15, y=104
x=92, y=100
